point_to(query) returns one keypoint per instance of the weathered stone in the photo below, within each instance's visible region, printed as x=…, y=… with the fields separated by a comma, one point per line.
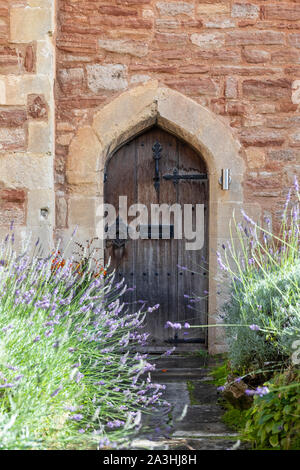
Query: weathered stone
x=81, y=211
x=116, y=11
x=29, y=24
x=61, y=212
x=107, y=77
x=294, y=40
x=272, y=89
x=12, y=117
x=256, y=56
x=12, y=212
x=219, y=55
x=261, y=137
x=64, y=139
x=39, y=137
x=282, y=11
x=122, y=46
x=295, y=138
x=12, y=138
x=82, y=160
x=172, y=38
x=281, y=155
x=13, y=195
x=29, y=59
x=208, y=39
x=211, y=9
x=71, y=80
x=245, y=10
x=220, y=23
x=255, y=157
x=296, y=92
x=37, y=107
x=23, y=170
x=163, y=23
x=175, y=8
x=241, y=38
x=138, y=78
x=231, y=87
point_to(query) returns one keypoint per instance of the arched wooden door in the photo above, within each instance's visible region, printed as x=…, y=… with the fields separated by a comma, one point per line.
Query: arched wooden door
x=158, y=168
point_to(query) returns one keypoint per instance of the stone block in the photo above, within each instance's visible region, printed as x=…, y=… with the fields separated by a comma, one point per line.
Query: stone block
x=71, y=80
x=39, y=137
x=256, y=157
x=83, y=157
x=245, y=10
x=123, y=46
x=29, y=23
x=207, y=40
x=12, y=139
x=20, y=170
x=175, y=8
x=106, y=77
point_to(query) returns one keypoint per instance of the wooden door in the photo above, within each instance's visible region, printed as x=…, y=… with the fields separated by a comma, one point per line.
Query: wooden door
x=158, y=168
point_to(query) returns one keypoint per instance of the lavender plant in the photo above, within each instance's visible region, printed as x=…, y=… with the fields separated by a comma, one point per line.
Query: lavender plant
x=265, y=276
x=262, y=317
x=70, y=375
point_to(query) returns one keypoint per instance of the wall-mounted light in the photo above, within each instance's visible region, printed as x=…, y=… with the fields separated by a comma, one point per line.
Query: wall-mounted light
x=225, y=179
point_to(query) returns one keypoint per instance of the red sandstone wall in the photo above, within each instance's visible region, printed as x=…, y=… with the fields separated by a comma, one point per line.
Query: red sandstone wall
x=240, y=59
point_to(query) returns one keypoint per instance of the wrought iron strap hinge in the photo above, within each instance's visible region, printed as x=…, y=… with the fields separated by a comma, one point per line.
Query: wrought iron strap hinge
x=175, y=177
x=156, y=149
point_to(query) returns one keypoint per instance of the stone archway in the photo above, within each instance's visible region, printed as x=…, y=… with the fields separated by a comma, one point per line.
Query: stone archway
x=126, y=116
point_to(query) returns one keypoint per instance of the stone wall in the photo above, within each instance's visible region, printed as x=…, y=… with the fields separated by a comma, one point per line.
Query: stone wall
x=27, y=118
x=239, y=59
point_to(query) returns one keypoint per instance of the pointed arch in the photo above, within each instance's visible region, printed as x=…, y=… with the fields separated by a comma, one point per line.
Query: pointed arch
x=126, y=116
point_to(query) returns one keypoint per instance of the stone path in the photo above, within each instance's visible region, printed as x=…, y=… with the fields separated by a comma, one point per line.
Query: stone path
x=194, y=420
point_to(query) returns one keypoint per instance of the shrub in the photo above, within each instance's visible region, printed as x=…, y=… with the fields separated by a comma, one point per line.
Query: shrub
x=274, y=419
x=263, y=313
x=70, y=375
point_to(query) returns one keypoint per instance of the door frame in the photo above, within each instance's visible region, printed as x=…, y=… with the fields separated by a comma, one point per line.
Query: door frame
x=130, y=114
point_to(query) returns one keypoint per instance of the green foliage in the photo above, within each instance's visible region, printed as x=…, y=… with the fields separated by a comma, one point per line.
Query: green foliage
x=234, y=418
x=274, y=419
x=263, y=313
x=70, y=376
x=272, y=302
x=219, y=374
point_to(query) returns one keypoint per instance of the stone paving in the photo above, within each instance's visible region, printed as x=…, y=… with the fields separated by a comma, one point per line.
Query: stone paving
x=194, y=420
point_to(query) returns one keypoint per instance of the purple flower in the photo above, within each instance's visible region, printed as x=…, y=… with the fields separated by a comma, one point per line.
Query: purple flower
x=7, y=385
x=169, y=352
x=260, y=391
x=221, y=389
x=78, y=377
x=56, y=392
x=254, y=327
x=296, y=184
x=77, y=417
x=115, y=424
x=101, y=382
x=220, y=262
x=187, y=325
x=36, y=339
x=175, y=326
x=247, y=218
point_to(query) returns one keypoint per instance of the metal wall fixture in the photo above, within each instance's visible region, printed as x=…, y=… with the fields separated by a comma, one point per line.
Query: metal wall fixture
x=225, y=179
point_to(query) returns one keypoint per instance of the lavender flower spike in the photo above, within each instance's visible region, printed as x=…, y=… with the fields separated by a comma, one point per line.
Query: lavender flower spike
x=247, y=218
x=254, y=327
